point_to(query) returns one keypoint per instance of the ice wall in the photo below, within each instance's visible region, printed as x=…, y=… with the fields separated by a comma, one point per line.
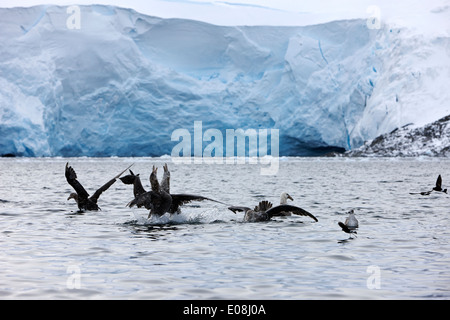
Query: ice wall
x=120, y=82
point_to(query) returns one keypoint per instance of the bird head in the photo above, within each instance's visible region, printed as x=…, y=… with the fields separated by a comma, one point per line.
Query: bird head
x=284, y=197
x=73, y=196
x=129, y=179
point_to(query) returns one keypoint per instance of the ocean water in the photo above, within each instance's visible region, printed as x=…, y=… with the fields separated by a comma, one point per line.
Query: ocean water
x=401, y=251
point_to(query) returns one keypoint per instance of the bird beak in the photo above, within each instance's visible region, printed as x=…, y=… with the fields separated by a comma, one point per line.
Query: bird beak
x=289, y=197
x=70, y=197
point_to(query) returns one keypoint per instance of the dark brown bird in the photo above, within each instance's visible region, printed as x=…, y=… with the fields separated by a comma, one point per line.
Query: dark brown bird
x=84, y=201
x=159, y=200
x=437, y=188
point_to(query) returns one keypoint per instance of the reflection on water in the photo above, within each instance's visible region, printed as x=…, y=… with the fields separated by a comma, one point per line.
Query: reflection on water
x=401, y=250
x=150, y=231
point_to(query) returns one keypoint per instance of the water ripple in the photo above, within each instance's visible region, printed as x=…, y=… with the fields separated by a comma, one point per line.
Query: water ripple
x=208, y=252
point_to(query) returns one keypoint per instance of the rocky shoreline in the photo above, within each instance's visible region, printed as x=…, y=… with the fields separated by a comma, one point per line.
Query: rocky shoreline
x=430, y=140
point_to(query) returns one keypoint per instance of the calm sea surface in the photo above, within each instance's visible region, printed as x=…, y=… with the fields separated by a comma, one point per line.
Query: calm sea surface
x=402, y=249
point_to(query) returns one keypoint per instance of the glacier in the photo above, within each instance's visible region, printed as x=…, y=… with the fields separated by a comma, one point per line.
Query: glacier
x=123, y=82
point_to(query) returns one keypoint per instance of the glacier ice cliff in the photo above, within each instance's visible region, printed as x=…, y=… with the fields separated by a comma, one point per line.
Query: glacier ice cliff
x=123, y=82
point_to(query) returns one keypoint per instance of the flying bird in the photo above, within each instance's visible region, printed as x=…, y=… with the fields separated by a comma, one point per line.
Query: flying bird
x=81, y=196
x=437, y=188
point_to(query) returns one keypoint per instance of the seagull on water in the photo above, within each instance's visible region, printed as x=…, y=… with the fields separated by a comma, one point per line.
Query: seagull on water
x=351, y=223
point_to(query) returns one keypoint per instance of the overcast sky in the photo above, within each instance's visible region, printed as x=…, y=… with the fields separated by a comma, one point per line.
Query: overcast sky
x=268, y=12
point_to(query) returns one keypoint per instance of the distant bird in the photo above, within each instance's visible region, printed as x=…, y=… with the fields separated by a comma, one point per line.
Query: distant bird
x=159, y=200
x=351, y=223
x=423, y=193
x=437, y=188
x=84, y=201
x=264, y=211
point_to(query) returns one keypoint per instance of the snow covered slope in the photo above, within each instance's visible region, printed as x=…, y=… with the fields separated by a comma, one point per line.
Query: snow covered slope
x=122, y=82
x=430, y=140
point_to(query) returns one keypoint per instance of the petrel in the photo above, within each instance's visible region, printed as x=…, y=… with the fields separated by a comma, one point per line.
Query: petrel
x=159, y=200
x=82, y=197
x=264, y=211
x=437, y=188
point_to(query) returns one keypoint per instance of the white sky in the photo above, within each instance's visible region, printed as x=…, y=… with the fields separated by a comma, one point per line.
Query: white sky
x=272, y=12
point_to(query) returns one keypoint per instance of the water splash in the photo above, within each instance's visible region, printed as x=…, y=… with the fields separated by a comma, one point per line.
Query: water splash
x=185, y=217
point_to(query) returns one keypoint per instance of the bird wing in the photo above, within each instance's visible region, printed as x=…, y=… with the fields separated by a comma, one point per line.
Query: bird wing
x=148, y=200
x=344, y=227
x=154, y=180
x=439, y=182
x=105, y=187
x=288, y=208
x=182, y=198
x=135, y=180
x=424, y=193
x=239, y=209
x=71, y=178
x=165, y=183
x=128, y=179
